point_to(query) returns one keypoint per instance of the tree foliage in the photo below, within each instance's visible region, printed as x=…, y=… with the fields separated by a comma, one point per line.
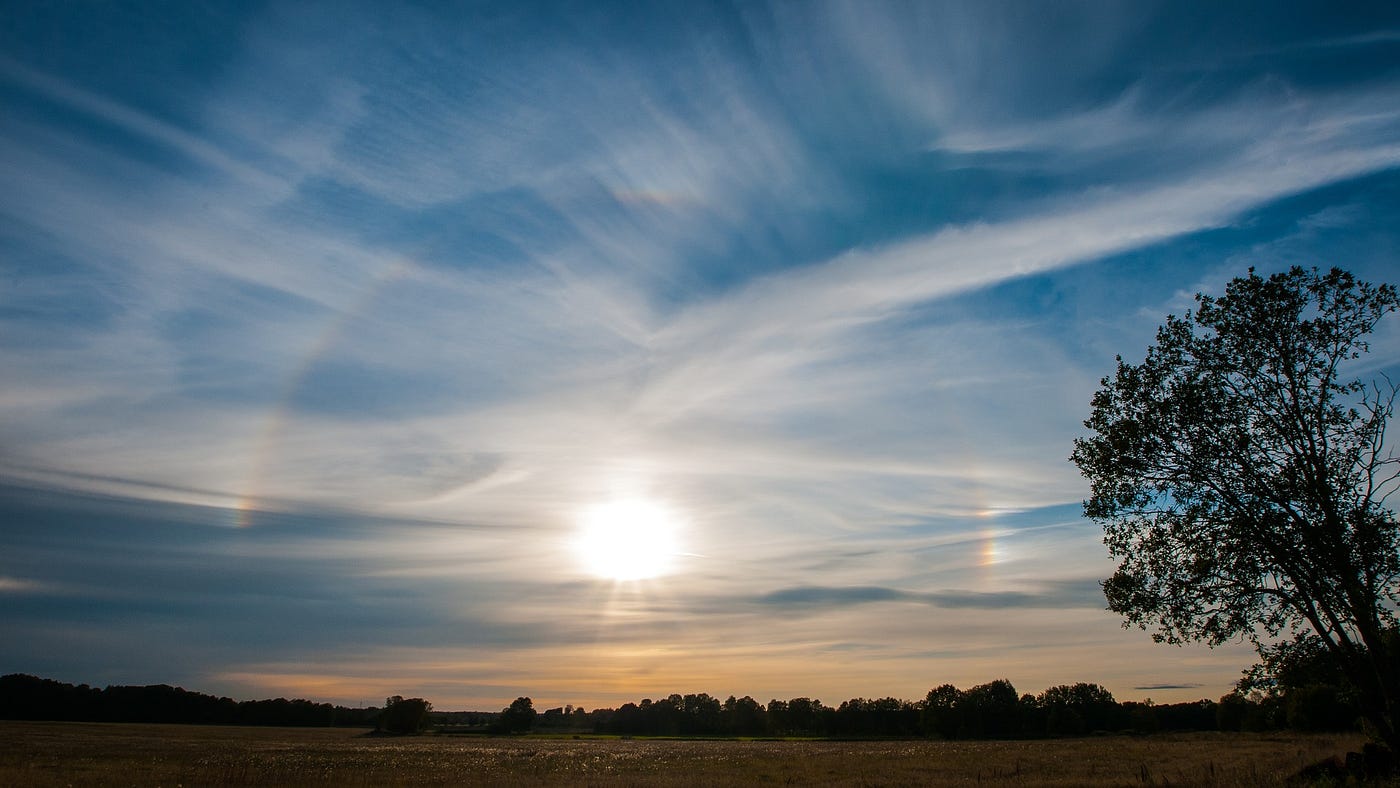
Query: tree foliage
x=519, y=716
x=1241, y=477
x=25, y=697
x=1290, y=665
x=984, y=711
x=404, y=715
x=1075, y=709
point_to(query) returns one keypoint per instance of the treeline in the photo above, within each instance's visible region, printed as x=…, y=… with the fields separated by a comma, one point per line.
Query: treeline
x=988, y=711
x=24, y=697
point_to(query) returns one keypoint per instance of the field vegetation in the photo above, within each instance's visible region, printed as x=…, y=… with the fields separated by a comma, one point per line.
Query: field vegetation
x=69, y=753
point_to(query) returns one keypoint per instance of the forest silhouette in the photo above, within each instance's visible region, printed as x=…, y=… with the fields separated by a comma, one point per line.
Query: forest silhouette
x=987, y=711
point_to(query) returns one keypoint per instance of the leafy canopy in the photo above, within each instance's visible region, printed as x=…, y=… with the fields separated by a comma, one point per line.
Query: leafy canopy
x=1239, y=476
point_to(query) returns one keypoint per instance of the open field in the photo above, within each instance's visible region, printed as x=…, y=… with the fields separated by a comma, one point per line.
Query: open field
x=50, y=754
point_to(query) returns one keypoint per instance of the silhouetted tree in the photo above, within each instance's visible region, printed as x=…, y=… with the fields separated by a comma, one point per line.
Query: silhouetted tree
x=1139, y=717
x=1198, y=715
x=804, y=715
x=1073, y=710
x=29, y=697
x=700, y=714
x=404, y=715
x=1241, y=478
x=989, y=711
x=665, y=715
x=940, y=716
x=877, y=717
x=777, y=717
x=1302, y=680
x=1239, y=712
x=519, y=717
x=627, y=718
x=744, y=716
x=25, y=697
x=1289, y=664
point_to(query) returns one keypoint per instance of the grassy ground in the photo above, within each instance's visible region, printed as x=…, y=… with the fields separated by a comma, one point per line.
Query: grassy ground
x=53, y=754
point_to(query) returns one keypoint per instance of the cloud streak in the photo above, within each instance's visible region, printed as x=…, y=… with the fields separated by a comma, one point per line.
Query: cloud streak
x=404, y=302
x=1061, y=595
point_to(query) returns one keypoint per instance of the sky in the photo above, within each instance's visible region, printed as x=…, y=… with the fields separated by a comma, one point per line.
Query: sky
x=601, y=351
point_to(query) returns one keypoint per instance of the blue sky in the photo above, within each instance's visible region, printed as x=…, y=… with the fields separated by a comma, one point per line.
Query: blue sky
x=330, y=330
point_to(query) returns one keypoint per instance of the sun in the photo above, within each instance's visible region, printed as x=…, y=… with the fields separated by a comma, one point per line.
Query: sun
x=627, y=540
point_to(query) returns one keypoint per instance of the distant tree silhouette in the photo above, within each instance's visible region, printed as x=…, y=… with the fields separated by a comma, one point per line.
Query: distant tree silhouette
x=777, y=717
x=665, y=716
x=25, y=697
x=1290, y=664
x=1073, y=710
x=940, y=716
x=1242, y=478
x=805, y=715
x=30, y=697
x=519, y=717
x=878, y=717
x=1139, y=717
x=989, y=711
x=404, y=715
x=1305, y=684
x=624, y=719
x=700, y=713
x=743, y=716
x=1237, y=712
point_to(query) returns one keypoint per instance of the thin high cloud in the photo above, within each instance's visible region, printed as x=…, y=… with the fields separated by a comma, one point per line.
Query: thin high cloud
x=836, y=294
x=684, y=378
x=1078, y=593
x=824, y=305
x=831, y=305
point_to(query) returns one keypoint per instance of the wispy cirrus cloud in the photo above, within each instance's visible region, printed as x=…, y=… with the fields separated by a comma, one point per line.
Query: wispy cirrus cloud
x=718, y=357
x=835, y=283
x=1079, y=593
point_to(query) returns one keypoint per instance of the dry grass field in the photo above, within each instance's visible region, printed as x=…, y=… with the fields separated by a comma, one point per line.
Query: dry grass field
x=82, y=754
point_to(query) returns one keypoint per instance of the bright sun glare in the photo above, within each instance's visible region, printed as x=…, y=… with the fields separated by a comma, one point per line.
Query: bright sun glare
x=627, y=540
